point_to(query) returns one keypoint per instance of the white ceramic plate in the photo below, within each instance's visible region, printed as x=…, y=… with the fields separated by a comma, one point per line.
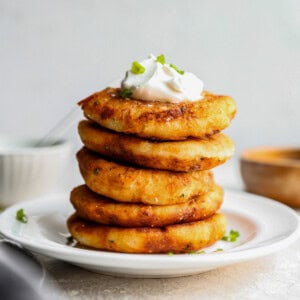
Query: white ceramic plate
x=265, y=226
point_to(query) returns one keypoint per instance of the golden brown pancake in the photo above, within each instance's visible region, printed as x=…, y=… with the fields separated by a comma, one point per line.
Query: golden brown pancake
x=179, y=238
x=187, y=155
x=134, y=184
x=159, y=120
x=100, y=209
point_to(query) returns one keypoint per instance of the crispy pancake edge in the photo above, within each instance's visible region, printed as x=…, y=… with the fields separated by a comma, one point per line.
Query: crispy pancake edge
x=181, y=156
x=93, y=207
x=160, y=120
x=139, y=185
x=179, y=238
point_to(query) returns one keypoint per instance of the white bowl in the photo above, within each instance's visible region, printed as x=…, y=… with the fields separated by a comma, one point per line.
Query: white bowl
x=28, y=171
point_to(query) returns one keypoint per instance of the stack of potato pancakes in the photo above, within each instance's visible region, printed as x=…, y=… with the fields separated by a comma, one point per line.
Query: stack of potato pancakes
x=146, y=166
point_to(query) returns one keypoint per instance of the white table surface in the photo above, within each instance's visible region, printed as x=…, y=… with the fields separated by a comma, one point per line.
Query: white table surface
x=276, y=276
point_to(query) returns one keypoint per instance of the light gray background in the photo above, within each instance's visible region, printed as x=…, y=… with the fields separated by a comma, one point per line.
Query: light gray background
x=54, y=53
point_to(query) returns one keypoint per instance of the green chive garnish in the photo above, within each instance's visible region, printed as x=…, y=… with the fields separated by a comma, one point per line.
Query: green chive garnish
x=21, y=217
x=96, y=171
x=161, y=59
x=126, y=93
x=70, y=240
x=218, y=250
x=232, y=237
x=137, y=68
x=181, y=72
x=197, y=252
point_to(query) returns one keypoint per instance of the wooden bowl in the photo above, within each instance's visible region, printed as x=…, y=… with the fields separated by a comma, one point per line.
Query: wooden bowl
x=273, y=172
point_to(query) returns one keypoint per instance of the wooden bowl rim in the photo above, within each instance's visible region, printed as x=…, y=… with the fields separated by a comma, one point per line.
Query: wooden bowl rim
x=277, y=156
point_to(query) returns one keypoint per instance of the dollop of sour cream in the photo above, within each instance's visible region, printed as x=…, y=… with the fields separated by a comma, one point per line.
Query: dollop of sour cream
x=162, y=82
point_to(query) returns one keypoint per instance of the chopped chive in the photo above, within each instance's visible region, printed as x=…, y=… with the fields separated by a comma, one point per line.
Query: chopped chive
x=197, y=252
x=161, y=59
x=232, y=237
x=137, y=68
x=20, y=216
x=70, y=240
x=125, y=93
x=96, y=171
x=181, y=72
x=218, y=250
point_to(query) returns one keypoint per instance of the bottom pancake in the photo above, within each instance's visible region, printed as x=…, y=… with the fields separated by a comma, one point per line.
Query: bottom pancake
x=100, y=209
x=179, y=238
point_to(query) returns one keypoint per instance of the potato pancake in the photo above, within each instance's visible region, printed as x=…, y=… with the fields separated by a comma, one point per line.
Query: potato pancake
x=159, y=120
x=134, y=184
x=187, y=155
x=100, y=209
x=179, y=238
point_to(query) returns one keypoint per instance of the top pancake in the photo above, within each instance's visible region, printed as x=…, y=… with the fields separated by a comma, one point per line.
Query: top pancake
x=160, y=120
